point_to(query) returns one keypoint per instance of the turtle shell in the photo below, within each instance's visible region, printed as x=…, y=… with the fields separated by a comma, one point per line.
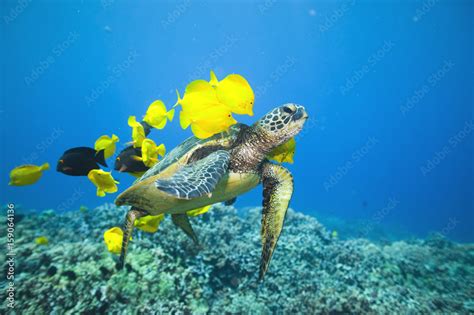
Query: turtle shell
x=183, y=152
x=144, y=195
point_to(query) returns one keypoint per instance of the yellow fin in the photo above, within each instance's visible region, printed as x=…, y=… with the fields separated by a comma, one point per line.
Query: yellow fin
x=284, y=152
x=198, y=211
x=138, y=132
x=184, y=119
x=170, y=114
x=179, y=99
x=161, y=149
x=44, y=167
x=200, y=133
x=149, y=223
x=213, y=81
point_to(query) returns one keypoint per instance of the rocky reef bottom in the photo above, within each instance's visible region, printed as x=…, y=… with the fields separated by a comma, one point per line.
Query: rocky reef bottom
x=311, y=272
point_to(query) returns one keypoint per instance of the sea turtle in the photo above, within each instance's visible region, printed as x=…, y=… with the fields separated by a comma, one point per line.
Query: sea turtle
x=218, y=169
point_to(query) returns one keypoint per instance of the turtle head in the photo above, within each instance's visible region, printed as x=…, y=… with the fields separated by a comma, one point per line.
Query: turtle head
x=284, y=122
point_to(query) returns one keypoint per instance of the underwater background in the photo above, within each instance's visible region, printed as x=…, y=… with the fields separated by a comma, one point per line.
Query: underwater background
x=386, y=155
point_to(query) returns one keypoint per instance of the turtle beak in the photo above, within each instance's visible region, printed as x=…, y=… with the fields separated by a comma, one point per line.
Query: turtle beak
x=300, y=114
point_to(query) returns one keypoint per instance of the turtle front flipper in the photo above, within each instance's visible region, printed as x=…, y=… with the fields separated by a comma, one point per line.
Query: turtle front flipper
x=128, y=226
x=277, y=192
x=196, y=179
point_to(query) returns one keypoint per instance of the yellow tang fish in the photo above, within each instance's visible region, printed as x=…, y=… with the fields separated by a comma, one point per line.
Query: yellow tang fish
x=113, y=240
x=207, y=119
x=138, y=132
x=202, y=110
x=156, y=115
x=104, y=182
x=26, y=174
x=235, y=92
x=149, y=223
x=198, y=211
x=284, y=152
x=150, y=152
x=218, y=120
x=106, y=143
x=196, y=94
x=42, y=240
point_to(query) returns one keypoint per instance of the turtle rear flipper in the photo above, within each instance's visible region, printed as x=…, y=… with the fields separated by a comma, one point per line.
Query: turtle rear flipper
x=196, y=179
x=277, y=192
x=230, y=202
x=181, y=220
x=128, y=226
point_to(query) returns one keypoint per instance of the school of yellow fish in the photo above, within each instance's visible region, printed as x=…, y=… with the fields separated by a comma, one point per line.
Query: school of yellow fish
x=206, y=106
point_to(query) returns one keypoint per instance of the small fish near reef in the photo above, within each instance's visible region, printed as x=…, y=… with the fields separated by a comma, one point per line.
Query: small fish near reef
x=42, y=240
x=80, y=161
x=130, y=161
x=106, y=143
x=149, y=223
x=27, y=174
x=113, y=240
x=202, y=172
x=104, y=182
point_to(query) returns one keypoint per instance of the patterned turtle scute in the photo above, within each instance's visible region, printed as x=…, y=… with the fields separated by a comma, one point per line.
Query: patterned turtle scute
x=188, y=145
x=196, y=179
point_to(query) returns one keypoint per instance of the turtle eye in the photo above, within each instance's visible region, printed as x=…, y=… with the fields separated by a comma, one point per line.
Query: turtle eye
x=288, y=110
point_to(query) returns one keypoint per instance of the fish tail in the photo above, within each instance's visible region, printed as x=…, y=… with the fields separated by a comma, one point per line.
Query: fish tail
x=128, y=226
x=132, y=121
x=170, y=114
x=179, y=99
x=44, y=167
x=161, y=149
x=100, y=158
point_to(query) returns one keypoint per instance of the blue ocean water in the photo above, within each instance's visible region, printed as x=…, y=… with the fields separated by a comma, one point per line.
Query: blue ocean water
x=387, y=85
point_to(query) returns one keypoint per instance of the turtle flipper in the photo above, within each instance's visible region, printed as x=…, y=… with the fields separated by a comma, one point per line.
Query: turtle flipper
x=277, y=191
x=196, y=179
x=182, y=221
x=128, y=226
x=230, y=202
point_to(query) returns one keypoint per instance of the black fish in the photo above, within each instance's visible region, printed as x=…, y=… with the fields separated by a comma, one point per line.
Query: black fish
x=129, y=161
x=80, y=161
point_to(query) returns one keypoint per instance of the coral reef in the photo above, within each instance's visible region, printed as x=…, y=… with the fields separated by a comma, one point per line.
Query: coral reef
x=311, y=271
